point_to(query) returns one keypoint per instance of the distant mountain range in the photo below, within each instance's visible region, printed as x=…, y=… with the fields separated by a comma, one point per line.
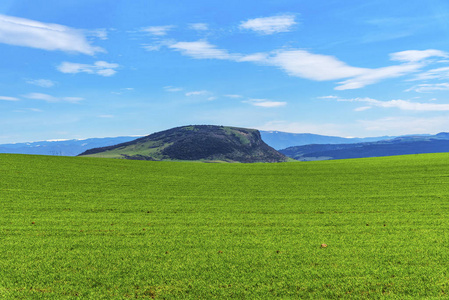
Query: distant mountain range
x=398, y=146
x=281, y=140
x=300, y=146
x=206, y=143
x=276, y=139
x=62, y=148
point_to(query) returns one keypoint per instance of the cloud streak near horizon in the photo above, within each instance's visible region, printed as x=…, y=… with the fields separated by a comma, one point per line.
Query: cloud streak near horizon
x=400, y=104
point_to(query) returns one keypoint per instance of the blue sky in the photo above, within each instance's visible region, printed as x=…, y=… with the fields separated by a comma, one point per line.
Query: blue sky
x=97, y=68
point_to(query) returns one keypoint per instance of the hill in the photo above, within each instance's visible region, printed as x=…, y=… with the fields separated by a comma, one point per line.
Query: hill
x=195, y=143
x=414, y=144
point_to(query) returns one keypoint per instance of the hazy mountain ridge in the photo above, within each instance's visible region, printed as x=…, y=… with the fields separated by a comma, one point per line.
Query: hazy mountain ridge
x=195, y=143
x=412, y=144
x=63, y=147
x=281, y=140
x=276, y=139
x=308, y=146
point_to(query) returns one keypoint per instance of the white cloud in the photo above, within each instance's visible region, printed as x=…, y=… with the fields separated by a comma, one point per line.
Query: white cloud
x=101, y=34
x=265, y=103
x=417, y=55
x=405, y=125
x=122, y=90
x=45, y=83
x=172, y=89
x=106, y=116
x=158, y=30
x=371, y=76
x=156, y=46
x=100, y=68
x=362, y=108
x=52, y=99
x=197, y=93
x=199, y=26
x=318, y=67
x=28, y=109
x=35, y=109
x=234, y=96
x=46, y=36
x=363, y=128
x=439, y=73
x=328, y=97
x=202, y=50
x=425, y=88
x=6, y=98
x=255, y=57
x=400, y=104
x=270, y=25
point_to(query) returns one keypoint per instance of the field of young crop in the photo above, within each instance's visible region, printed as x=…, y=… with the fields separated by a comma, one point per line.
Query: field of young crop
x=115, y=229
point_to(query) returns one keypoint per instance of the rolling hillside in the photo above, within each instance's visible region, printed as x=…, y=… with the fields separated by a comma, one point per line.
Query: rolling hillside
x=88, y=228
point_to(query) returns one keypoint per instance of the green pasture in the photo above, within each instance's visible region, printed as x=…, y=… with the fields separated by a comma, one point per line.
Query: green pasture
x=93, y=228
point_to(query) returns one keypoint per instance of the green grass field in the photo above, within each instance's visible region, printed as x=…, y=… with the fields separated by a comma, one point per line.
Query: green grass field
x=114, y=229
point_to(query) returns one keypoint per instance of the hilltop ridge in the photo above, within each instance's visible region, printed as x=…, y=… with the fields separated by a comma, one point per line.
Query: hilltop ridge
x=195, y=143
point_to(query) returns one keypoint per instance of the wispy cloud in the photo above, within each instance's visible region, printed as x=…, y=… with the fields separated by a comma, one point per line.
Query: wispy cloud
x=429, y=87
x=270, y=25
x=405, y=125
x=158, y=30
x=197, y=93
x=158, y=44
x=100, y=68
x=6, y=98
x=438, y=73
x=46, y=36
x=303, y=64
x=28, y=110
x=101, y=34
x=199, y=26
x=265, y=103
x=361, y=128
x=122, y=91
x=233, y=96
x=202, y=50
x=170, y=88
x=400, y=104
x=52, y=99
x=328, y=97
x=417, y=55
x=371, y=76
x=45, y=83
x=318, y=67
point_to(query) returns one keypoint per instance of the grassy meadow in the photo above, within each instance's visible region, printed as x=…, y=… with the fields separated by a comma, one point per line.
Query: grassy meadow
x=114, y=229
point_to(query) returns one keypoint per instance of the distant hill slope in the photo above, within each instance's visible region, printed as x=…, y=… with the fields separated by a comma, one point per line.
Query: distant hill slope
x=62, y=148
x=398, y=146
x=195, y=143
x=281, y=140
